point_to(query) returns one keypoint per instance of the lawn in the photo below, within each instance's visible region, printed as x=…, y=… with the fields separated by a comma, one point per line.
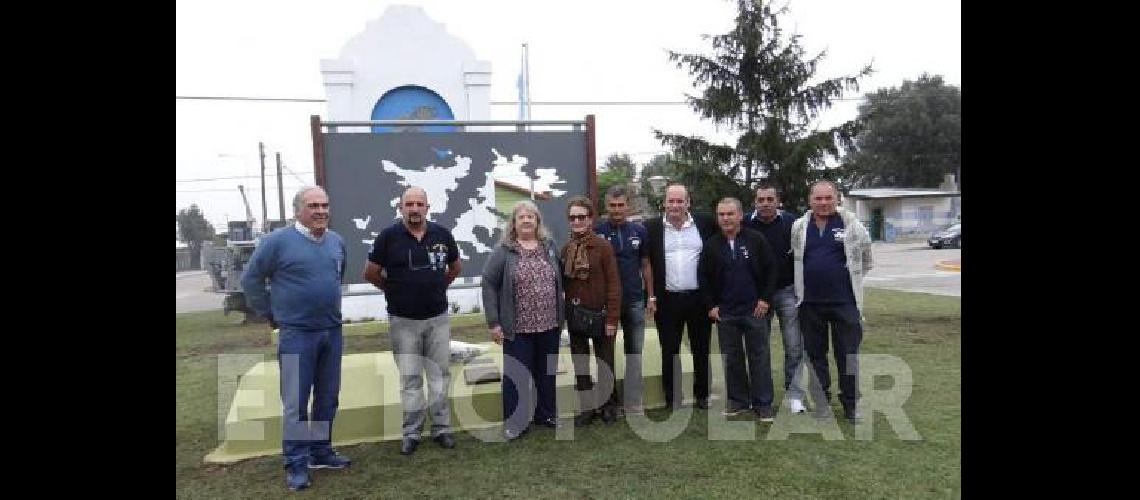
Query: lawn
x=610, y=461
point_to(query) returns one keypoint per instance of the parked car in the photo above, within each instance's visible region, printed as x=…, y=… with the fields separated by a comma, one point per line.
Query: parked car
x=949, y=237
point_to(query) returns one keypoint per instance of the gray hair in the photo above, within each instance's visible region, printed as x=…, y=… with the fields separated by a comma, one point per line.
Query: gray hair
x=734, y=201
x=301, y=194
x=834, y=189
x=511, y=235
x=674, y=184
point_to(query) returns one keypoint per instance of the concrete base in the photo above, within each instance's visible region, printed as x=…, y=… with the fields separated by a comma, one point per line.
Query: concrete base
x=370, y=408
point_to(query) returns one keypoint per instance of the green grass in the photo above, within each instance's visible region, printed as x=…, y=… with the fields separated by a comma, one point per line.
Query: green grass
x=609, y=461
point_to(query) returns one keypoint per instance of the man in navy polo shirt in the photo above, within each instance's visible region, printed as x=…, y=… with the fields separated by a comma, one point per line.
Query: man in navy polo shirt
x=630, y=243
x=776, y=226
x=413, y=261
x=832, y=252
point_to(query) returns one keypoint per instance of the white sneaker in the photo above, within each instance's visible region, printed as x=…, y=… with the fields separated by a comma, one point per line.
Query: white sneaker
x=797, y=406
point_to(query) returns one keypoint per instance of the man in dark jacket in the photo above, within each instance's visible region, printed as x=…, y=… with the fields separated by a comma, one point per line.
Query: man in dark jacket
x=675, y=244
x=776, y=226
x=737, y=277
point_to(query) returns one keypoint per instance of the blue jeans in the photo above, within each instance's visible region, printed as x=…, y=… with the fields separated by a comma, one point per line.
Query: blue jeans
x=310, y=361
x=846, y=334
x=784, y=306
x=533, y=368
x=633, y=337
x=419, y=346
x=748, y=386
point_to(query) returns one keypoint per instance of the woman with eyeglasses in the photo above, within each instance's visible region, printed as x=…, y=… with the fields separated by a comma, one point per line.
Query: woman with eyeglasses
x=590, y=277
x=522, y=299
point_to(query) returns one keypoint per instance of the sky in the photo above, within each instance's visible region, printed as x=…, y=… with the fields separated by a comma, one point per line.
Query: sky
x=582, y=50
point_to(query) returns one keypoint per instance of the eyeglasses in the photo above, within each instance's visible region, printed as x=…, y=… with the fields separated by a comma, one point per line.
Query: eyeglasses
x=577, y=218
x=315, y=206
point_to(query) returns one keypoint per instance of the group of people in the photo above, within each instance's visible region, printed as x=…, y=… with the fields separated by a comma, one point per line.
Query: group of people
x=685, y=269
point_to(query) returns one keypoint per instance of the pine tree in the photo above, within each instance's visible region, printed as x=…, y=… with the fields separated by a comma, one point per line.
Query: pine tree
x=760, y=83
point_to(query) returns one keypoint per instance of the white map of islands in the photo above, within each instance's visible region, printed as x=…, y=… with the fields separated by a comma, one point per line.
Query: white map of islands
x=436, y=181
x=439, y=181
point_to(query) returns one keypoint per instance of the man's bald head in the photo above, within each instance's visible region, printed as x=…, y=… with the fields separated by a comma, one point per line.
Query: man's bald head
x=414, y=190
x=414, y=207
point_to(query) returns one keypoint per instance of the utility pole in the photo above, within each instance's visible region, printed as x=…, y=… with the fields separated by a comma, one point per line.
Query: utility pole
x=264, y=214
x=280, y=190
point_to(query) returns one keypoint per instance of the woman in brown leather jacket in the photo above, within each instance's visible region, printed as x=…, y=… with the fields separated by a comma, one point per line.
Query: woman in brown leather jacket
x=590, y=279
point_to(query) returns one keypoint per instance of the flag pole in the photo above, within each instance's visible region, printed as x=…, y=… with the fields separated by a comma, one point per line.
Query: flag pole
x=526, y=68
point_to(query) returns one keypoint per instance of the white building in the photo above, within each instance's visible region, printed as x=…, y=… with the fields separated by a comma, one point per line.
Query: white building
x=891, y=214
x=404, y=65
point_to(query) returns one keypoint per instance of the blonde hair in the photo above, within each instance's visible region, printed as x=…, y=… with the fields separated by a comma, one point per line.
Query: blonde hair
x=511, y=235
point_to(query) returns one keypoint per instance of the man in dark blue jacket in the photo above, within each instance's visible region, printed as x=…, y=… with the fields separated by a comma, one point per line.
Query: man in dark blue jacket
x=776, y=226
x=737, y=278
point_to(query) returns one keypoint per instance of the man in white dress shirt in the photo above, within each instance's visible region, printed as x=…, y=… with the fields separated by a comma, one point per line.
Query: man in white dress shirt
x=675, y=243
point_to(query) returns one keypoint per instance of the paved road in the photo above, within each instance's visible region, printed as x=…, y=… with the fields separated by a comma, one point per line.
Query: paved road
x=898, y=266
x=192, y=293
x=910, y=267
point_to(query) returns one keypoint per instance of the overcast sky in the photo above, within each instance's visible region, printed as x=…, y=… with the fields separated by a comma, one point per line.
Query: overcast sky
x=582, y=50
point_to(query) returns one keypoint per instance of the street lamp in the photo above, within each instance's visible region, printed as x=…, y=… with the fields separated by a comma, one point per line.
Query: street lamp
x=657, y=184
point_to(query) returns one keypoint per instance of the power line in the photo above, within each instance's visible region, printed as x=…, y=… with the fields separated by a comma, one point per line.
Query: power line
x=235, y=177
x=229, y=190
x=238, y=98
x=512, y=103
x=591, y=103
x=295, y=176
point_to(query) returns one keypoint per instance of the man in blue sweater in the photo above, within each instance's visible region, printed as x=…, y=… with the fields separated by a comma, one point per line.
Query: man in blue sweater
x=304, y=266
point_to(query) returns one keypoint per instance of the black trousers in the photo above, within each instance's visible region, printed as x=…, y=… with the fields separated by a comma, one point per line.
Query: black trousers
x=675, y=311
x=590, y=394
x=846, y=334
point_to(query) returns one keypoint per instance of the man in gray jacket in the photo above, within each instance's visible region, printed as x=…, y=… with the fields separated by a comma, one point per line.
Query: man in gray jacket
x=832, y=252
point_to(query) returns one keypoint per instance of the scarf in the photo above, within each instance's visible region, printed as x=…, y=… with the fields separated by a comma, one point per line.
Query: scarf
x=576, y=261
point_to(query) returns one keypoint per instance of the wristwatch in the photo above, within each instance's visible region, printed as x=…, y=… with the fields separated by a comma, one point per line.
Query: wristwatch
x=652, y=298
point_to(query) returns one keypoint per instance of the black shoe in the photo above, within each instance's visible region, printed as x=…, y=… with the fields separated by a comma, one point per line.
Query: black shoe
x=702, y=403
x=765, y=414
x=733, y=410
x=408, y=446
x=584, y=419
x=331, y=460
x=609, y=416
x=445, y=440
x=551, y=422
x=853, y=415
